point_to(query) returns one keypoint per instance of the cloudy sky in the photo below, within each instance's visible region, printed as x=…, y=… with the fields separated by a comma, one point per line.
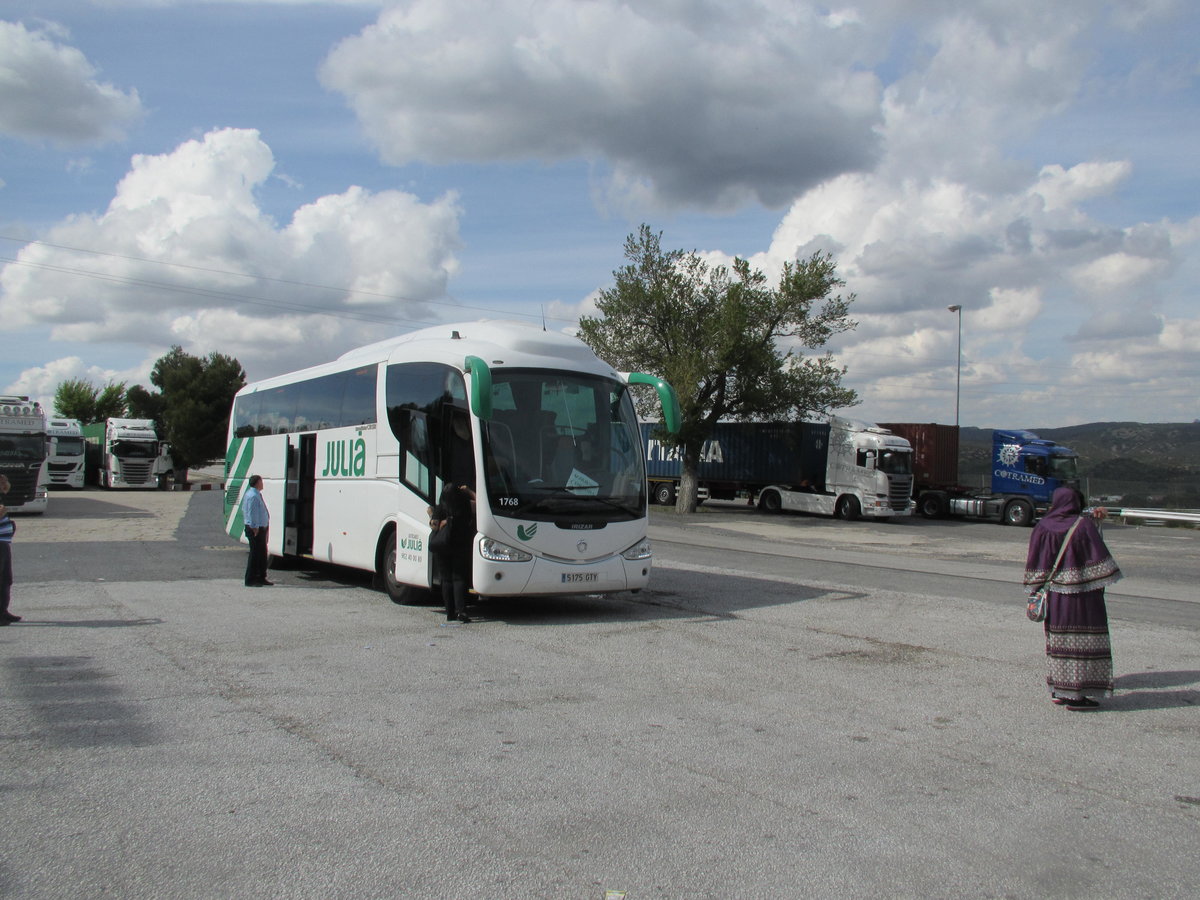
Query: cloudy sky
x=282, y=181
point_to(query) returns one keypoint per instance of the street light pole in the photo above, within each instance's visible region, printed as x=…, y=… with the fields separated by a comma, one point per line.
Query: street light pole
x=957, y=308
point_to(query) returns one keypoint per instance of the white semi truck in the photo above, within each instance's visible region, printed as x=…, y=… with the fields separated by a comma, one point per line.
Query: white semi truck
x=66, y=462
x=23, y=451
x=130, y=454
x=840, y=468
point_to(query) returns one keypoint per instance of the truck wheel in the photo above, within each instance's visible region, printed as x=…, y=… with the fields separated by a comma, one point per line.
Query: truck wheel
x=664, y=493
x=932, y=506
x=848, y=508
x=1018, y=513
x=769, y=501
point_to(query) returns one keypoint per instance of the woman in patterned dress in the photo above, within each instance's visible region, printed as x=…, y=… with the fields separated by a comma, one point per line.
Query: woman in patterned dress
x=1078, y=651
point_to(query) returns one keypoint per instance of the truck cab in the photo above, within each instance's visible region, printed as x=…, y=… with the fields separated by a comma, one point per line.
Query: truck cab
x=23, y=451
x=66, y=463
x=130, y=454
x=1024, y=464
x=870, y=467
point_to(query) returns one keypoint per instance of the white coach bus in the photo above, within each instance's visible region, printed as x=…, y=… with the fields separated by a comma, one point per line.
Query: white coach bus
x=352, y=453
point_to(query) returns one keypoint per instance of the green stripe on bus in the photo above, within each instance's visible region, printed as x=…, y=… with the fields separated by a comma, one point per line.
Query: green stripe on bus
x=238, y=459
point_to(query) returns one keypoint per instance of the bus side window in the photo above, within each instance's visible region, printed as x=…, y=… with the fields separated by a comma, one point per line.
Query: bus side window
x=416, y=402
x=416, y=454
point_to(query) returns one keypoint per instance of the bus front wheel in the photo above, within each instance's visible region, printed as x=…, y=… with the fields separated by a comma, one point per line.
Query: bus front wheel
x=397, y=591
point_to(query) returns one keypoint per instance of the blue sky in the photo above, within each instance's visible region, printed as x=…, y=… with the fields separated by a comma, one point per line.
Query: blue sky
x=283, y=181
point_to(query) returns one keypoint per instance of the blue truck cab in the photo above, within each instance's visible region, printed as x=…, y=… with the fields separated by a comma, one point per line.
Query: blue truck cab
x=1025, y=465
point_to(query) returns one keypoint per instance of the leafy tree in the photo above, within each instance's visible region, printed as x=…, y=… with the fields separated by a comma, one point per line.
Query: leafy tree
x=145, y=405
x=722, y=337
x=192, y=404
x=111, y=402
x=78, y=398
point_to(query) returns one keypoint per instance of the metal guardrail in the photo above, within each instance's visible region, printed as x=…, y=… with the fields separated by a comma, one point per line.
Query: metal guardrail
x=1158, y=515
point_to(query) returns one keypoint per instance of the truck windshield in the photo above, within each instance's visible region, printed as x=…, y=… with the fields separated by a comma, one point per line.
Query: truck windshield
x=562, y=445
x=22, y=446
x=135, y=449
x=70, y=446
x=1064, y=468
x=895, y=462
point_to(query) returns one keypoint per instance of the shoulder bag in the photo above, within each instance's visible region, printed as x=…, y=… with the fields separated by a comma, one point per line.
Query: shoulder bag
x=439, y=540
x=1035, y=607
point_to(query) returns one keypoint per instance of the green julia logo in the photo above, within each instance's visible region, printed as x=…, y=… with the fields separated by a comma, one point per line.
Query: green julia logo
x=526, y=534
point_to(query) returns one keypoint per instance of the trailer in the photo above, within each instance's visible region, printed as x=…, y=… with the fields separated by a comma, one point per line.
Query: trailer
x=66, y=461
x=839, y=468
x=1025, y=473
x=128, y=454
x=23, y=452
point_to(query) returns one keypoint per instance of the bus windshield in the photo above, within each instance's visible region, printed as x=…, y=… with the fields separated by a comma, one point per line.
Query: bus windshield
x=562, y=445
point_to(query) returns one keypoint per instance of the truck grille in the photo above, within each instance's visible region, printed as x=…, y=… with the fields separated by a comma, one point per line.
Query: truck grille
x=899, y=492
x=24, y=485
x=136, y=471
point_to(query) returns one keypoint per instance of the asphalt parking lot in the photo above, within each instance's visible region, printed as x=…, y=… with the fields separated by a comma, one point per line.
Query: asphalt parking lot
x=794, y=708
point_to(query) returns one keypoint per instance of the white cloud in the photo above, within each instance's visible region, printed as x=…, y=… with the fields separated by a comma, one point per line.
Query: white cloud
x=41, y=382
x=1062, y=188
x=949, y=217
x=184, y=254
x=689, y=103
x=1116, y=272
x=49, y=91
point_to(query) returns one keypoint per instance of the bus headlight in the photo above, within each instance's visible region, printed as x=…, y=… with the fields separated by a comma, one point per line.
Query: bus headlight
x=640, y=550
x=498, y=552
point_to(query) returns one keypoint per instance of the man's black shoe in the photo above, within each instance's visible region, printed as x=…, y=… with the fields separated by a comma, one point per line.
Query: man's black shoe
x=265, y=583
x=11, y=617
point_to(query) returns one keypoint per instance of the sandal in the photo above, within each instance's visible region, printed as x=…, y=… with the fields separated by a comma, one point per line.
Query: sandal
x=1082, y=703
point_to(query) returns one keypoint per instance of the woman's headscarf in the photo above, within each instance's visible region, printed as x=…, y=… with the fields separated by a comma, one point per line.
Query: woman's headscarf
x=1086, y=565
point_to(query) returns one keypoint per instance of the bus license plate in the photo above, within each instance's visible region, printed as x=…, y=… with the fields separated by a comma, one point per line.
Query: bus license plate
x=579, y=577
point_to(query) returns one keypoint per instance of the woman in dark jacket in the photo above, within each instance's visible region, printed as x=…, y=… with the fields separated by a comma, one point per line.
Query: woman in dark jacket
x=1077, y=643
x=455, y=511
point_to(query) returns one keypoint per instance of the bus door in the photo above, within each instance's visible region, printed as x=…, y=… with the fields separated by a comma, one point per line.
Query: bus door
x=456, y=453
x=298, y=495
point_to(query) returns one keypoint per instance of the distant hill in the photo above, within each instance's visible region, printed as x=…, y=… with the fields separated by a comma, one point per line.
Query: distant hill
x=1146, y=465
